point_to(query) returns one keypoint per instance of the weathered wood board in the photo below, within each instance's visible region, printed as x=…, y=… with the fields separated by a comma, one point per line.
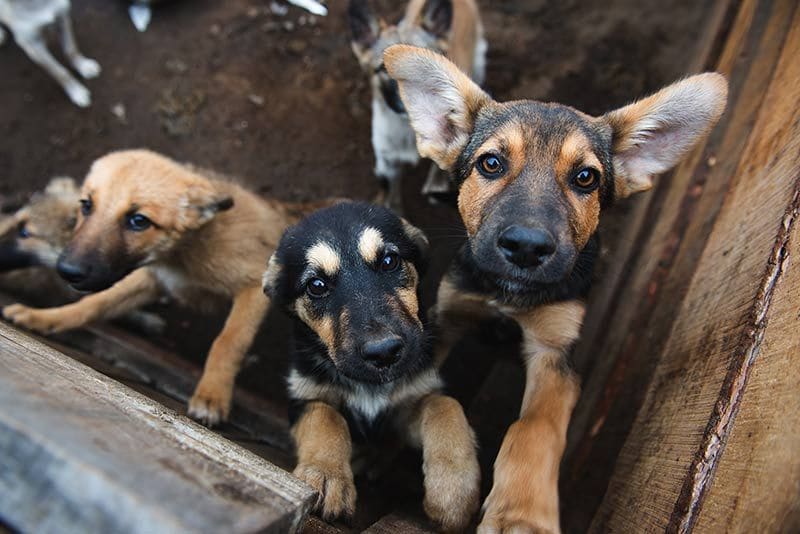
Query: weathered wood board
x=79, y=452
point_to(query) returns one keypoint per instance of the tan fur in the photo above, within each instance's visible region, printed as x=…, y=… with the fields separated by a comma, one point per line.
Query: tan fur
x=323, y=459
x=192, y=251
x=408, y=295
x=322, y=256
x=323, y=326
x=369, y=244
x=449, y=462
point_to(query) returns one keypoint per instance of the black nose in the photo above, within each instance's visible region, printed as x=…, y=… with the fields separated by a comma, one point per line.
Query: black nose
x=72, y=272
x=382, y=353
x=526, y=247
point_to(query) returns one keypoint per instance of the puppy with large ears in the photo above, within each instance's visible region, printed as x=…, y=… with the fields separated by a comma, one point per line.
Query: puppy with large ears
x=451, y=27
x=148, y=226
x=533, y=180
x=348, y=275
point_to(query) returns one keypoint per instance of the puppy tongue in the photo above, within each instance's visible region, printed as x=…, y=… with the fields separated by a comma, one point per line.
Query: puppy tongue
x=140, y=15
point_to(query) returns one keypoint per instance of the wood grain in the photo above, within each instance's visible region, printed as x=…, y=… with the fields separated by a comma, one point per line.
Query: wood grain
x=80, y=452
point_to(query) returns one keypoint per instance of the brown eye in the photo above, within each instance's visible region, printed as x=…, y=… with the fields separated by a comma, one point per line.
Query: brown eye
x=390, y=262
x=586, y=180
x=86, y=206
x=317, y=288
x=490, y=166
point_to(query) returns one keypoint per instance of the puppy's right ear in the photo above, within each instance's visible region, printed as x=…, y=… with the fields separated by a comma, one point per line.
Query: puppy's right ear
x=364, y=28
x=271, y=278
x=442, y=102
x=421, y=243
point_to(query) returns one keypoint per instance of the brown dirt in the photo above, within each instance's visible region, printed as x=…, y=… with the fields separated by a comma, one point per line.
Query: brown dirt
x=280, y=102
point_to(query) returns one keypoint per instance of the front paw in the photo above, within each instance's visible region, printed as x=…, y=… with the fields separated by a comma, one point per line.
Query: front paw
x=452, y=491
x=42, y=321
x=336, y=492
x=211, y=402
x=524, y=497
x=88, y=68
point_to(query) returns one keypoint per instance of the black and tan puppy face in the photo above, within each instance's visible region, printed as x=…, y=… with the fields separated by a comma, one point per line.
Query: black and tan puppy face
x=371, y=36
x=350, y=274
x=534, y=177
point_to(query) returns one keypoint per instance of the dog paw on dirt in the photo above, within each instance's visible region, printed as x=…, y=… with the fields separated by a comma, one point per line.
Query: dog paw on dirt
x=335, y=487
x=210, y=403
x=48, y=321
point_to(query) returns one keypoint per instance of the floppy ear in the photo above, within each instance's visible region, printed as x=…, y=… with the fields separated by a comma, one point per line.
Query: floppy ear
x=269, y=282
x=653, y=134
x=437, y=18
x=442, y=102
x=420, y=241
x=200, y=204
x=364, y=27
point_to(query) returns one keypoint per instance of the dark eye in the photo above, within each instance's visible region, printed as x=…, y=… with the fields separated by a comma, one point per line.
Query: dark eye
x=490, y=166
x=390, y=262
x=22, y=231
x=586, y=180
x=316, y=288
x=138, y=222
x=86, y=206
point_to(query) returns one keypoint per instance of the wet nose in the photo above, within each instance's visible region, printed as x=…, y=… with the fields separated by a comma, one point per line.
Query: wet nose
x=526, y=247
x=382, y=353
x=72, y=272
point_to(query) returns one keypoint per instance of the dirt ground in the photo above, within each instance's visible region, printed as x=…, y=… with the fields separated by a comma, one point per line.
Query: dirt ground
x=279, y=101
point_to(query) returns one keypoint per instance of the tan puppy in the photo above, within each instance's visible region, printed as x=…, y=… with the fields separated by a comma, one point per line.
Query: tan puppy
x=533, y=180
x=450, y=27
x=149, y=227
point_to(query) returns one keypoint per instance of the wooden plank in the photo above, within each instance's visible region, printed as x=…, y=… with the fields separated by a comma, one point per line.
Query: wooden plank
x=80, y=452
x=639, y=325
x=396, y=523
x=665, y=466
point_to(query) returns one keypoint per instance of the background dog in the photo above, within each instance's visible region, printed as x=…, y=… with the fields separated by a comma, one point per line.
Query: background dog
x=451, y=27
x=149, y=227
x=27, y=20
x=348, y=275
x=533, y=180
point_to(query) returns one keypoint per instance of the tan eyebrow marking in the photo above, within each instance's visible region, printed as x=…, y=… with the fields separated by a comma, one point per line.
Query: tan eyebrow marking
x=370, y=243
x=323, y=256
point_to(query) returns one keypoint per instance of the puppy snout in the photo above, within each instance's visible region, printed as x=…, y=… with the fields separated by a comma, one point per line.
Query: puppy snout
x=526, y=247
x=382, y=353
x=72, y=272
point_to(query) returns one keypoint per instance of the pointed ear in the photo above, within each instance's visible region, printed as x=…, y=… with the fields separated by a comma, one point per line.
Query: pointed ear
x=269, y=282
x=364, y=27
x=442, y=102
x=63, y=186
x=652, y=135
x=200, y=204
x=437, y=18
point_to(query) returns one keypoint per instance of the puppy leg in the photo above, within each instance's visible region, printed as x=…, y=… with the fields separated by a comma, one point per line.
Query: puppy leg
x=88, y=68
x=135, y=290
x=524, y=497
x=449, y=461
x=34, y=46
x=323, y=459
x=211, y=401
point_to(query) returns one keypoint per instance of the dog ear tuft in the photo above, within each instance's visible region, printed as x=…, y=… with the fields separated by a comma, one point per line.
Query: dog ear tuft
x=442, y=102
x=420, y=241
x=270, y=280
x=364, y=26
x=62, y=186
x=652, y=135
x=201, y=203
x=437, y=18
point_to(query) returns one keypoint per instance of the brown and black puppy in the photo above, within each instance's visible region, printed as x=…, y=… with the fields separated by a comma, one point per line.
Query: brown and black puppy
x=451, y=27
x=149, y=227
x=348, y=275
x=533, y=180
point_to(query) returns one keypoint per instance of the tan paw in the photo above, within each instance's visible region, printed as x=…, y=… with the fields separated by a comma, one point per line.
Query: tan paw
x=452, y=490
x=512, y=527
x=336, y=492
x=211, y=403
x=47, y=321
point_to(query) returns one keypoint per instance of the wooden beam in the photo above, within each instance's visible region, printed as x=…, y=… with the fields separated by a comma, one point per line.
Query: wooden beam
x=81, y=452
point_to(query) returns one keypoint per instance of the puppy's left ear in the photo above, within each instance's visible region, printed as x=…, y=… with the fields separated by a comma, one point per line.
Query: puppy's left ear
x=200, y=204
x=270, y=280
x=652, y=135
x=421, y=243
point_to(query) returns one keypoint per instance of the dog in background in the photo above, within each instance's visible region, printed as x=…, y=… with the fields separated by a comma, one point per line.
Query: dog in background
x=450, y=27
x=348, y=276
x=27, y=20
x=149, y=227
x=533, y=180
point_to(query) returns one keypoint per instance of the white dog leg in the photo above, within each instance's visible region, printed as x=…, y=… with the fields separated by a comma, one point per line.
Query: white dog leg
x=2, y=36
x=88, y=68
x=35, y=48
